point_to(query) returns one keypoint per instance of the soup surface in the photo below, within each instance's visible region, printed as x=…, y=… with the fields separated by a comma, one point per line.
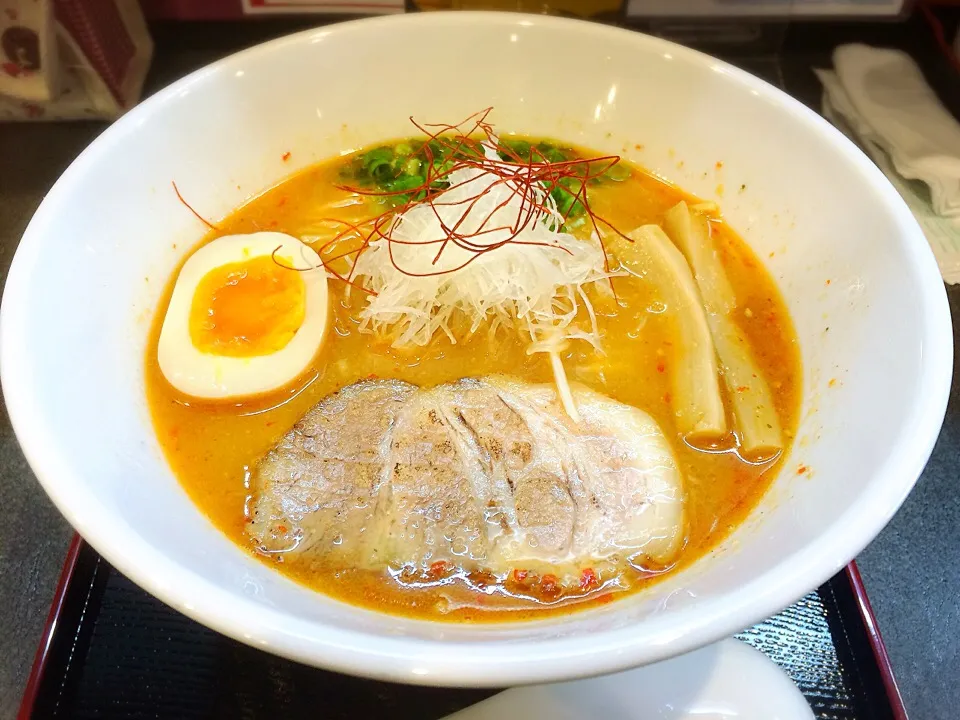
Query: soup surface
x=214, y=446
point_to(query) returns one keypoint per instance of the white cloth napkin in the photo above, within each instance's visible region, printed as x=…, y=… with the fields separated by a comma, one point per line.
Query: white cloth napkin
x=881, y=100
x=900, y=113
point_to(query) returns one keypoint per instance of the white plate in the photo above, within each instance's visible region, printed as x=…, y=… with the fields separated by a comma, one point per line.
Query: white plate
x=720, y=682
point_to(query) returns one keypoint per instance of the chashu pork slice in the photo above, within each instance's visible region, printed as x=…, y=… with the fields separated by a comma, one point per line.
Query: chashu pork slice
x=430, y=509
x=619, y=472
x=485, y=473
x=315, y=492
x=530, y=510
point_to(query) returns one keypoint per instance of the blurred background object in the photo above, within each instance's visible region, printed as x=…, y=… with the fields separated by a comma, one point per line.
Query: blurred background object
x=773, y=9
x=230, y=9
x=28, y=55
x=71, y=59
x=578, y=8
x=597, y=9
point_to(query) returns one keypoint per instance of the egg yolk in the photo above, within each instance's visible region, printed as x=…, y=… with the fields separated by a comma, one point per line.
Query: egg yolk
x=248, y=308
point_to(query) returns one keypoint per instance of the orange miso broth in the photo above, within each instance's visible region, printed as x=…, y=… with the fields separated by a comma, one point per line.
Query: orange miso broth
x=213, y=446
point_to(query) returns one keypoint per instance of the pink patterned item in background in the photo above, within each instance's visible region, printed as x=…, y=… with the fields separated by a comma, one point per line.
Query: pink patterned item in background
x=88, y=60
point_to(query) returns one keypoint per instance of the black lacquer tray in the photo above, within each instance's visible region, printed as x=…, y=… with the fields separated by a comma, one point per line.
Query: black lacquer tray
x=110, y=650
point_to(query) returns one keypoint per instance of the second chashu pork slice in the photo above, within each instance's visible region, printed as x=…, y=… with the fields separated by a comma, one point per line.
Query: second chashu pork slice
x=618, y=470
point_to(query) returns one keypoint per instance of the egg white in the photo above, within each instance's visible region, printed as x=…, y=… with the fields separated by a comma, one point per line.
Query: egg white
x=207, y=375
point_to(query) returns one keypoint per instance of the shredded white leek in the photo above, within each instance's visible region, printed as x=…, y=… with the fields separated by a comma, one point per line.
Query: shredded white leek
x=563, y=387
x=553, y=343
x=533, y=283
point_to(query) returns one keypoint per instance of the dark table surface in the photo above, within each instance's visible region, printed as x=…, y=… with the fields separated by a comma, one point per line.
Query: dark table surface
x=912, y=570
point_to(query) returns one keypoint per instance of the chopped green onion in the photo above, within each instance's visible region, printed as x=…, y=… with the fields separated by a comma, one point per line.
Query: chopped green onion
x=404, y=182
x=405, y=166
x=618, y=172
x=551, y=153
x=378, y=163
x=520, y=147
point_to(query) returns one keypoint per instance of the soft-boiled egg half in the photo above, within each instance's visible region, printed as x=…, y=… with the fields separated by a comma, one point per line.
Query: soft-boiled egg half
x=247, y=315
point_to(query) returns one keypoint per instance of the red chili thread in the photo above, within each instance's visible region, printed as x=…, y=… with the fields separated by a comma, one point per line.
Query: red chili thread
x=199, y=217
x=524, y=176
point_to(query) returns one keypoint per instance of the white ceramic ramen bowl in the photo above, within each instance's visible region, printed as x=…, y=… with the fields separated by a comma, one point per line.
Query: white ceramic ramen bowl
x=858, y=277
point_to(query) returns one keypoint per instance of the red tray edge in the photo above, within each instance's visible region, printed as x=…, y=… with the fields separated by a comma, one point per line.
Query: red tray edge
x=76, y=545
x=876, y=642
x=56, y=606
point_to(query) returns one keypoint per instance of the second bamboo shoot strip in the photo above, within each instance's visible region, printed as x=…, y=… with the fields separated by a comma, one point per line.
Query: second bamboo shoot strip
x=753, y=408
